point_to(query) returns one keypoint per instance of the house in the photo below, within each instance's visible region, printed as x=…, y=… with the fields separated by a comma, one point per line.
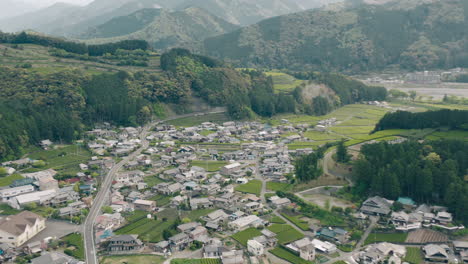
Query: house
x=55, y=258
x=267, y=239
x=460, y=246
x=436, y=253
x=213, y=251
x=144, y=205
x=230, y=168
x=233, y=257
x=179, y=242
x=6, y=194
x=47, y=183
x=15, y=230
x=376, y=206
x=42, y=197
x=307, y=252
x=377, y=253
x=72, y=209
x=200, y=203
x=124, y=244
x=278, y=202
x=200, y=233
x=444, y=218
x=335, y=235
x=40, y=174
x=188, y=227
x=407, y=203
x=168, y=189
x=247, y=221
x=253, y=207
x=46, y=144
x=255, y=248
x=216, y=216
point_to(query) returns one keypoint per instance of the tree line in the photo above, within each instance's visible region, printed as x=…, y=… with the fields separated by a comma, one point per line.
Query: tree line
x=453, y=119
x=430, y=172
x=71, y=46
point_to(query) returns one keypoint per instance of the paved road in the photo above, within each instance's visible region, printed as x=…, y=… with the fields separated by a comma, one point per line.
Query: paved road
x=88, y=227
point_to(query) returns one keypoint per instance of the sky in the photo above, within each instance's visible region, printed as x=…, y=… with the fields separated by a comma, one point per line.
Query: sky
x=43, y=3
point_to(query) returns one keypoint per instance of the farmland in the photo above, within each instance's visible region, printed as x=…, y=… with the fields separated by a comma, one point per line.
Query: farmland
x=253, y=187
x=425, y=236
x=5, y=181
x=383, y=237
x=413, y=255
x=140, y=259
x=196, y=261
x=209, y=165
x=296, y=220
x=243, y=236
x=278, y=186
x=285, y=233
x=288, y=256
x=196, y=120
x=283, y=82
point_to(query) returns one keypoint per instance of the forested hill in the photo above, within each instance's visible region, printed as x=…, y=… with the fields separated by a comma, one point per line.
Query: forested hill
x=161, y=28
x=452, y=119
x=367, y=37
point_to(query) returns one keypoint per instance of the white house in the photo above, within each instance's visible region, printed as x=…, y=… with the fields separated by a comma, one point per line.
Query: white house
x=6, y=194
x=255, y=247
x=15, y=230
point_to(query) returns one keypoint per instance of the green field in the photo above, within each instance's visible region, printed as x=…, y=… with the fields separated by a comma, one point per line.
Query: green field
x=283, y=82
x=383, y=237
x=196, y=261
x=5, y=181
x=152, y=180
x=278, y=186
x=285, y=233
x=277, y=220
x=133, y=259
x=413, y=255
x=197, y=120
x=253, y=187
x=288, y=256
x=161, y=200
x=243, y=236
x=148, y=230
x=304, y=225
x=75, y=240
x=209, y=165
x=64, y=160
x=195, y=214
x=5, y=209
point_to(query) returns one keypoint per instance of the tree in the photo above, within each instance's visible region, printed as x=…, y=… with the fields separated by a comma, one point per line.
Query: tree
x=3, y=172
x=186, y=220
x=107, y=210
x=39, y=164
x=342, y=152
x=166, y=234
x=413, y=95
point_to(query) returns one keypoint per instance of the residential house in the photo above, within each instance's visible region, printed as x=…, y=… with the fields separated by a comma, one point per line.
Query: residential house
x=307, y=253
x=407, y=203
x=216, y=216
x=15, y=230
x=179, y=242
x=200, y=233
x=436, y=253
x=72, y=209
x=247, y=221
x=6, y=194
x=255, y=248
x=144, y=205
x=377, y=253
x=188, y=227
x=404, y=222
x=200, y=203
x=47, y=183
x=277, y=202
x=124, y=244
x=230, y=168
x=376, y=206
x=335, y=235
x=42, y=197
x=253, y=207
x=168, y=189
x=460, y=246
x=444, y=218
x=55, y=258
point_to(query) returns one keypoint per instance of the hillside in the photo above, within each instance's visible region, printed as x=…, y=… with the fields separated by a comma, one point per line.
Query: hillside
x=161, y=28
x=367, y=37
x=244, y=12
x=69, y=20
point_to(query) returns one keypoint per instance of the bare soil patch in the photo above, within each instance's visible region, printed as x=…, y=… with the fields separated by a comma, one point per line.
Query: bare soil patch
x=426, y=236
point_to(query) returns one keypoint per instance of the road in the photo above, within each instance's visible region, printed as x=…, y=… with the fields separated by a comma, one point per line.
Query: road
x=99, y=200
x=327, y=159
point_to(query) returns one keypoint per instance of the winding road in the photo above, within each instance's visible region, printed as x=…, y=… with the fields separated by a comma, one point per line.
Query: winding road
x=99, y=200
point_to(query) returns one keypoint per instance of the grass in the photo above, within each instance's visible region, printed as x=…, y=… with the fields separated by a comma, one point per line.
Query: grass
x=5, y=209
x=413, y=255
x=288, y=256
x=196, y=261
x=285, y=233
x=253, y=187
x=75, y=240
x=195, y=214
x=383, y=237
x=277, y=220
x=304, y=225
x=64, y=159
x=5, y=181
x=131, y=259
x=209, y=165
x=283, y=82
x=148, y=230
x=243, y=236
x=278, y=186
x=152, y=180
x=161, y=200
x=197, y=120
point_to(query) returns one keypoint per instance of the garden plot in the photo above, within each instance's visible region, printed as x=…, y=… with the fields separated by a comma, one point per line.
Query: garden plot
x=426, y=236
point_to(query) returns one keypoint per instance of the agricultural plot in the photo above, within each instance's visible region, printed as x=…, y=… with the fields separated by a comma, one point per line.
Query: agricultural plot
x=283, y=82
x=195, y=214
x=64, y=160
x=253, y=187
x=148, y=230
x=75, y=240
x=152, y=180
x=196, y=261
x=278, y=186
x=288, y=256
x=209, y=165
x=296, y=220
x=413, y=255
x=285, y=233
x=426, y=236
x=243, y=236
x=277, y=220
x=161, y=200
x=384, y=237
x=140, y=259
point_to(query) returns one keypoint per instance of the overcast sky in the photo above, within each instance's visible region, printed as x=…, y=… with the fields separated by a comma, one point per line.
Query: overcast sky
x=50, y=2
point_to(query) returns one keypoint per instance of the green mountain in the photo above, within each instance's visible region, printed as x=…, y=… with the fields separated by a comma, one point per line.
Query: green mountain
x=161, y=28
x=244, y=12
x=413, y=35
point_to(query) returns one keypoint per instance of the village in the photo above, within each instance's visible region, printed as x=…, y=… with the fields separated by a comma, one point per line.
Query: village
x=213, y=191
